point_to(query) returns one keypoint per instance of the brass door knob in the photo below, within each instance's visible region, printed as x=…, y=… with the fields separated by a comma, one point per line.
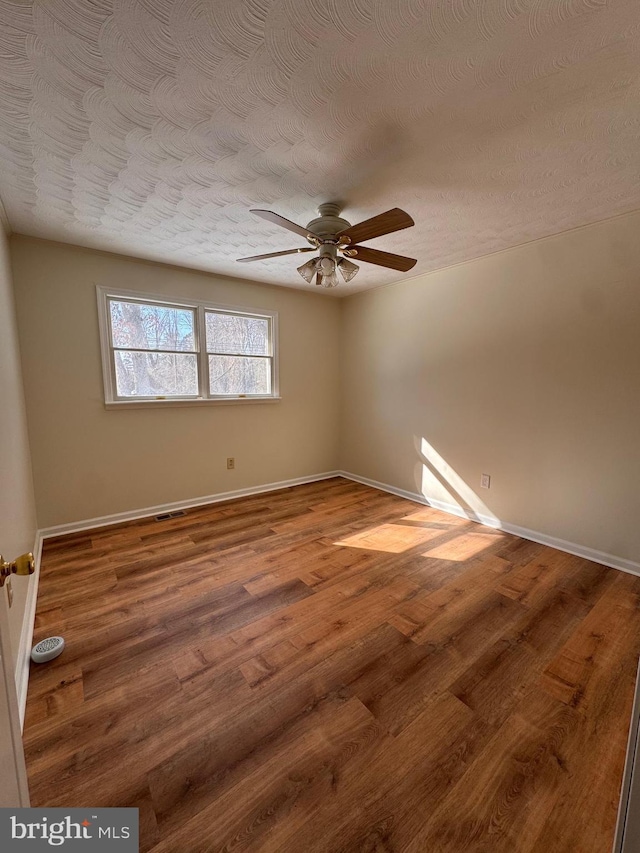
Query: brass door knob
x=22, y=565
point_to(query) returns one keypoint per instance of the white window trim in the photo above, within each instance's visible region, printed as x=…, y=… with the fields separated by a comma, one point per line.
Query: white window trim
x=108, y=365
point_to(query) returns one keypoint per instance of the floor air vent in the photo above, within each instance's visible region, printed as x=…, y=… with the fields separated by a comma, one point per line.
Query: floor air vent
x=166, y=515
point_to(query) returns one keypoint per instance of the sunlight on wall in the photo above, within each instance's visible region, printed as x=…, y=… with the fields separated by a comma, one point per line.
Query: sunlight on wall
x=439, y=482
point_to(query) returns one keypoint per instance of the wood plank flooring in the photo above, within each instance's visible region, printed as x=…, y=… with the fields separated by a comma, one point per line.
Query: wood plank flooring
x=333, y=669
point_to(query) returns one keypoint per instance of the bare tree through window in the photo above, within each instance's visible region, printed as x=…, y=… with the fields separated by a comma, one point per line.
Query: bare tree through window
x=239, y=354
x=156, y=353
x=164, y=351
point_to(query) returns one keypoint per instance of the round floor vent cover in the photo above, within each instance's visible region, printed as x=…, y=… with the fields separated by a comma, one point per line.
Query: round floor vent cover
x=47, y=649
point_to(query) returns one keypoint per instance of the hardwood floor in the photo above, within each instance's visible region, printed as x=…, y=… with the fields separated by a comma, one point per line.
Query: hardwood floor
x=332, y=668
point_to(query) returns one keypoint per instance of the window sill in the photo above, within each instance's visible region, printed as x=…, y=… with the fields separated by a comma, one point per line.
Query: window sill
x=202, y=401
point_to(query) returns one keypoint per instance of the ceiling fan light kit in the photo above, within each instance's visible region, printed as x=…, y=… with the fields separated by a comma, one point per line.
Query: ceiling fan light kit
x=323, y=269
x=325, y=266
x=334, y=238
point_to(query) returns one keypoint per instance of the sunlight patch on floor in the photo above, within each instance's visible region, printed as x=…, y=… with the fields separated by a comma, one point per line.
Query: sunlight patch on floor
x=394, y=538
x=462, y=548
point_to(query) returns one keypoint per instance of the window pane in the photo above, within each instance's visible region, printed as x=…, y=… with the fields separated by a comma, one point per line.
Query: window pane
x=238, y=375
x=228, y=333
x=156, y=374
x=151, y=327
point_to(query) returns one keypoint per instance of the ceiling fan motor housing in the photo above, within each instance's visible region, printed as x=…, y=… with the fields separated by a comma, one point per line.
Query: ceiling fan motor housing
x=328, y=250
x=328, y=223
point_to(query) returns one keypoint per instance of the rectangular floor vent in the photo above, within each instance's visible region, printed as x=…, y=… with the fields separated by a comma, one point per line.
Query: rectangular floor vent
x=166, y=515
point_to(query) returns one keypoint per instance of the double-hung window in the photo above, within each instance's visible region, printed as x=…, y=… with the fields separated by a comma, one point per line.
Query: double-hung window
x=155, y=350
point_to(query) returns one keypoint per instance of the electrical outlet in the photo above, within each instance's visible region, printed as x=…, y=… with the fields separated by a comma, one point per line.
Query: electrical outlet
x=9, y=592
x=485, y=481
x=231, y=463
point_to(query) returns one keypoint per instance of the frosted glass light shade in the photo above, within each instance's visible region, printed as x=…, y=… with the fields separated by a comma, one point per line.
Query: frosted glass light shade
x=308, y=270
x=330, y=280
x=327, y=266
x=347, y=268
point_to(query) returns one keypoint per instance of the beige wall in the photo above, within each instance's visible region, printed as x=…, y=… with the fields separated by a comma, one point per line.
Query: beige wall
x=17, y=508
x=91, y=462
x=524, y=365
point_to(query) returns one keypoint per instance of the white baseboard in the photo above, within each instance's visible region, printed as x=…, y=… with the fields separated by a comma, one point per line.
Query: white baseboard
x=23, y=658
x=605, y=559
x=145, y=512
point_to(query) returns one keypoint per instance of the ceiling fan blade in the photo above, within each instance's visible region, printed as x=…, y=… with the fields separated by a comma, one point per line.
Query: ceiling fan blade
x=282, y=222
x=384, y=223
x=382, y=259
x=277, y=254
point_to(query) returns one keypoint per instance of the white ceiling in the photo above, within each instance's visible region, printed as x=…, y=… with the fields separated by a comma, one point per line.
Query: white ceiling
x=150, y=127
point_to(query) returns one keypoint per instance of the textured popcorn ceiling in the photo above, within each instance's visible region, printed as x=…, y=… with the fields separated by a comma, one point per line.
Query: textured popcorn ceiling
x=150, y=127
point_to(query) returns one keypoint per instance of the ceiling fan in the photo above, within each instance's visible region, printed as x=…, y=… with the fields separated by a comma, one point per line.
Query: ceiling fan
x=336, y=241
